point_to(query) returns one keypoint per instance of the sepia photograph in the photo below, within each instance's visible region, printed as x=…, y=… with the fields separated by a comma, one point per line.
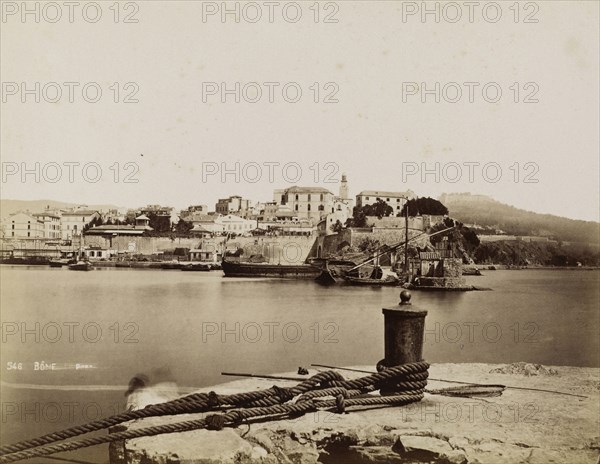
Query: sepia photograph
x=300, y=232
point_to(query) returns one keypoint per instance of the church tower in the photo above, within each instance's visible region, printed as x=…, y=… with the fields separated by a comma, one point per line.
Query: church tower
x=344, y=188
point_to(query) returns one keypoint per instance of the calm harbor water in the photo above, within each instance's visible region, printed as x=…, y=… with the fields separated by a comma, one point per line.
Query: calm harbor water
x=72, y=340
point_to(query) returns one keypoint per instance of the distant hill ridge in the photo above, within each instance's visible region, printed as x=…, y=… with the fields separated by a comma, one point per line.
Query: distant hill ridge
x=486, y=212
x=8, y=207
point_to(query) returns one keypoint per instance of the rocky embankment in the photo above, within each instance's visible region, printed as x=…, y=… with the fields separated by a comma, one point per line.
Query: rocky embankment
x=520, y=426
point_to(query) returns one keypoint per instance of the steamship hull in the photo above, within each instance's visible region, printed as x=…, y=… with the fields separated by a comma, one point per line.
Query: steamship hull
x=280, y=271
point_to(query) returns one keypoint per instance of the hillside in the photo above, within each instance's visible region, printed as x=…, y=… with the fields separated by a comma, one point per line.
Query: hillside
x=486, y=212
x=8, y=207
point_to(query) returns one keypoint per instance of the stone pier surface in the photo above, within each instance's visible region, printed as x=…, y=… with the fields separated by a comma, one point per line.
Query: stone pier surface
x=520, y=426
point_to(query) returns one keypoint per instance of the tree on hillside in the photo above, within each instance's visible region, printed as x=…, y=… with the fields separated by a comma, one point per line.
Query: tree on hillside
x=425, y=205
x=183, y=227
x=97, y=221
x=337, y=227
x=358, y=219
x=360, y=213
x=380, y=209
x=160, y=224
x=465, y=238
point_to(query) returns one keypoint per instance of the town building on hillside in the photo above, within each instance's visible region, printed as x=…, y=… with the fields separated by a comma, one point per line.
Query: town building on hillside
x=74, y=221
x=206, y=225
x=231, y=224
x=394, y=199
x=193, y=209
x=141, y=225
x=203, y=224
x=272, y=212
x=234, y=205
x=51, y=224
x=312, y=203
x=23, y=225
x=200, y=231
x=159, y=211
x=113, y=215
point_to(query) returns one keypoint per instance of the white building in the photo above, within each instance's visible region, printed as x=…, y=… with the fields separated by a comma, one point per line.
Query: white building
x=22, y=225
x=312, y=203
x=74, y=221
x=51, y=224
x=231, y=224
x=234, y=204
x=394, y=199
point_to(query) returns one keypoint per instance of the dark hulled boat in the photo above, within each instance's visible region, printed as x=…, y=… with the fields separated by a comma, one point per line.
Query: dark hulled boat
x=81, y=266
x=172, y=265
x=202, y=267
x=281, y=271
x=26, y=260
x=366, y=281
x=333, y=271
x=471, y=271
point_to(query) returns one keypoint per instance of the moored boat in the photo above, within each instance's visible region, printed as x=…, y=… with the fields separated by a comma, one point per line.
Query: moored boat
x=58, y=262
x=81, y=266
x=333, y=271
x=26, y=260
x=281, y=271
x=471, y=271
x=203, y=267
x=173, y=265
x=386, y=281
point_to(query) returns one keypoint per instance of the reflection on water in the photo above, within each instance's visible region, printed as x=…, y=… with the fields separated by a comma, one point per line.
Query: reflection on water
x=89, y=333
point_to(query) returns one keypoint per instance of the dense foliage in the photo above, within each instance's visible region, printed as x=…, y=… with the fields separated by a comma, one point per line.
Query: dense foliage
x=425, y=205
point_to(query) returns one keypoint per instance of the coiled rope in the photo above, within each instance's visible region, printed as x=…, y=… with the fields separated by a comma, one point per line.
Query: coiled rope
x=405, y=384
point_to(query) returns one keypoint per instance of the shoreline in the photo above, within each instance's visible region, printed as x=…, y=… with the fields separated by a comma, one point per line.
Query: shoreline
x=157, y=264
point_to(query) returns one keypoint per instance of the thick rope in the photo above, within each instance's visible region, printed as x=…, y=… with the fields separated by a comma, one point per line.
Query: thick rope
x=194, y=403
x=212, y=422
x=407, y=379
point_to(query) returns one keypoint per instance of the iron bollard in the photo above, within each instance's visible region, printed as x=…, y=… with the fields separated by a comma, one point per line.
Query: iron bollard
x=404, y=328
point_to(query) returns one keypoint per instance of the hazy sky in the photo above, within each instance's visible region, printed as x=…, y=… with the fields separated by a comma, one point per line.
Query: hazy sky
x=379, y=132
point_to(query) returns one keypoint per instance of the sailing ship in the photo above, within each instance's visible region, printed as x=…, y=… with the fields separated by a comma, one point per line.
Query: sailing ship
x=336, y=271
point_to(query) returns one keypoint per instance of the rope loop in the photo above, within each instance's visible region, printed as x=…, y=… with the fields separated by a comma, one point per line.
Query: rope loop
x=215, y=422
x=213, y=400
x=284, y=394
x=340, y=403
